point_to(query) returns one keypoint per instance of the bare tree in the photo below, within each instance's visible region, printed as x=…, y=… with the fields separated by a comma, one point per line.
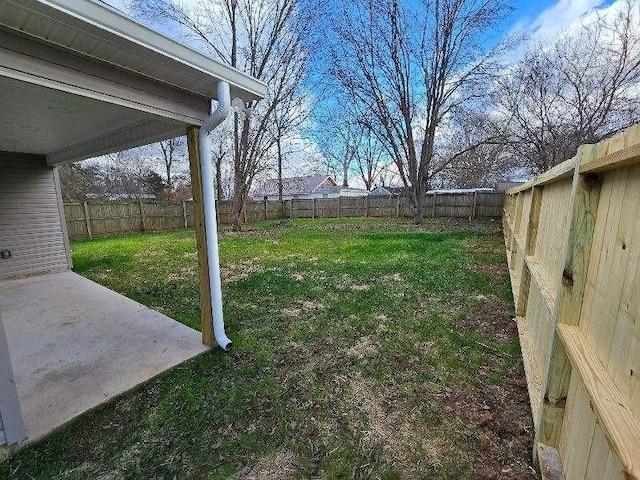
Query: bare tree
x=578, y=89
x=481, y=167
x=369, y=159
x=338, y=136
x=125, y=174
x=172, y=152
x=409, y=69
x=263, y=38
x=222, y=158
x=288, y=117
x=79, y=181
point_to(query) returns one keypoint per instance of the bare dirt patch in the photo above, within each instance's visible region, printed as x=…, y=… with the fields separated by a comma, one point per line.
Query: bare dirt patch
x=500, y=419
x=494, y=318
x=490, y=269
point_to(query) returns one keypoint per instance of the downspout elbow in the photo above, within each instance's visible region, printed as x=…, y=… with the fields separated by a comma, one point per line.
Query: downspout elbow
x=220, y=113
x=209, y=204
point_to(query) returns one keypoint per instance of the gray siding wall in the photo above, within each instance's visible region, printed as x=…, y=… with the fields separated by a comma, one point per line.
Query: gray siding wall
x=30, y=217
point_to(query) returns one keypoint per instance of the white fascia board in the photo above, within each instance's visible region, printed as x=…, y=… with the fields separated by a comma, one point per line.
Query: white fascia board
x=110, y=20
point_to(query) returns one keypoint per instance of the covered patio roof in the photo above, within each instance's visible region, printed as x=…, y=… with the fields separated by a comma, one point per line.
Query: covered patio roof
x=79, y=79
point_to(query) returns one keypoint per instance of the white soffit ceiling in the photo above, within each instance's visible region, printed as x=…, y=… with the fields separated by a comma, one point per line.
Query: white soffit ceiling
x=41, y=120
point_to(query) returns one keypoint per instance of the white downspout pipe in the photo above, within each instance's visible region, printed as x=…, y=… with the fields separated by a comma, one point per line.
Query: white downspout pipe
x=209, y=204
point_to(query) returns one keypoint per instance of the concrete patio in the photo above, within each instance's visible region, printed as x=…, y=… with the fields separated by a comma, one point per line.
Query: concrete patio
x=75, y=345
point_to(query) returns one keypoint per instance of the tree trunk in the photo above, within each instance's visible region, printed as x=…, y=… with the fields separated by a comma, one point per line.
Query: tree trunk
x=417, y=203
x=418, y=214
x=237, y=205
x=278, y=142
x=237, y=211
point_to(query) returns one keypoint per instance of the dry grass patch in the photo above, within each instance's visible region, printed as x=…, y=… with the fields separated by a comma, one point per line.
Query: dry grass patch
x=232, y=272
x=363, y=348
x=394, y=429
x=280, y=466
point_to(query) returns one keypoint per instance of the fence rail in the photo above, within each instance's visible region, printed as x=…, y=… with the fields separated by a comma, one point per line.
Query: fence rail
x=100, y=218
x=572, y=237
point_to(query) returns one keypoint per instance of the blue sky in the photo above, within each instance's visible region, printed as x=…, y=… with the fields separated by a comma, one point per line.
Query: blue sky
x=543, y=19
x=546, y=17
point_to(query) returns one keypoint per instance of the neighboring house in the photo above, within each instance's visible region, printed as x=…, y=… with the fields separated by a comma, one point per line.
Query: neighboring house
x=395, y=191
x=79, y=80
x=382, y=192
x=309, y=187
x=454, y=191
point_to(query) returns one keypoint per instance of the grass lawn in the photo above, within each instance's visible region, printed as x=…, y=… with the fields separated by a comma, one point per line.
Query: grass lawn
x=362, y=349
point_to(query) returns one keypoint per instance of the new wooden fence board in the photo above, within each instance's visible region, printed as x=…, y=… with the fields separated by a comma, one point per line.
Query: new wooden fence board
x=575, y=441
x=605, y=400
x=580, y=324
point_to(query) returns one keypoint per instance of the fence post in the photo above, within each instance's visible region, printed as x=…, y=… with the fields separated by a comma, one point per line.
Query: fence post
x=475, y=200
x=339, y=206
x=184, y=214
x=313, y=213
x=87, y=219
x=266, y=209
x=366, y=206
x=144, y=226
x=398, y=206
x=433, y=205
x=586, y=198
x=291, y=208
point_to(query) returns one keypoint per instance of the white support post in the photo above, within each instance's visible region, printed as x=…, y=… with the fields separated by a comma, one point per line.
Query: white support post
x=13, y=426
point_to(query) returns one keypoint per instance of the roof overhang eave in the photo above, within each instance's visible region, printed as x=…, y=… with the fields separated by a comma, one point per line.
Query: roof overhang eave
x=120, y=33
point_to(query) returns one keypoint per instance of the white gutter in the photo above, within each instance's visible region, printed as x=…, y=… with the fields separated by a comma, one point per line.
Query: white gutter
x=209, y=204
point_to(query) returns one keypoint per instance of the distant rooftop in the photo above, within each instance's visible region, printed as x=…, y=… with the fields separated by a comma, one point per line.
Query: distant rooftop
x=296, y=185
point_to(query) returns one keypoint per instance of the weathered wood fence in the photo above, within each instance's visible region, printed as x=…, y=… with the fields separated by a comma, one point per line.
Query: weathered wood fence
x=573, y=243
x=102, y=217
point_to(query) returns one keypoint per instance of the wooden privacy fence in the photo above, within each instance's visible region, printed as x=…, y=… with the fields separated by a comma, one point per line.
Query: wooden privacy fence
x=111, y=217
x=573, y=244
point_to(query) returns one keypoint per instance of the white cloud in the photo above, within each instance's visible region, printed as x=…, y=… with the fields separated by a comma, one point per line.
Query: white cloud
x=562, y=15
